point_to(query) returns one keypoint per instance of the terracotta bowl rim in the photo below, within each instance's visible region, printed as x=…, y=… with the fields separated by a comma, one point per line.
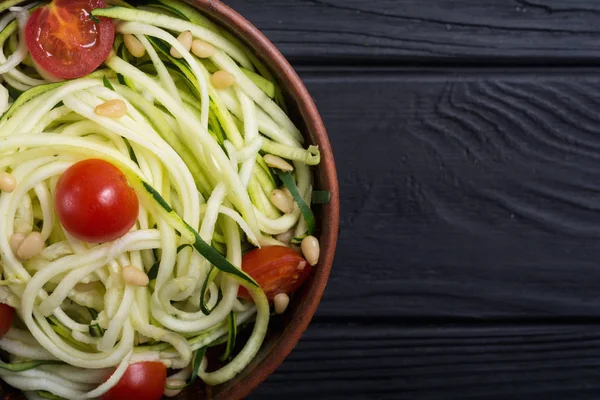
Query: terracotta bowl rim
x=293, y=86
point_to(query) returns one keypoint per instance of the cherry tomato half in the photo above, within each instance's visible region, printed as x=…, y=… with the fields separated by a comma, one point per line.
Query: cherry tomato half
x=7, y=314
x=276, y=269
x=94, y=202
x=142, y=381
x=64, y=40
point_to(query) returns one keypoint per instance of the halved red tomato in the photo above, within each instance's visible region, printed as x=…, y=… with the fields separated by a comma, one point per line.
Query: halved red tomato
x=64, y=40
x=276, y=269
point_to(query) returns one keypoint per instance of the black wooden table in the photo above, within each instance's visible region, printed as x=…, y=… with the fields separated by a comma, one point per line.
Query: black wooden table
x=467, y=139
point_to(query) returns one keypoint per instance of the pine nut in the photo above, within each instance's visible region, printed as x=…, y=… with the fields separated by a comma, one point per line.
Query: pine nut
x=8, y=183
x=286, y=236
x=281, y=303
x=277, y=162
x=310, y=249
x=32, y=245
x=282, y=201
x=202, y=49
x=288, y=194
x=134, y=276
x=135, y=47
x=15, y=241
x=112, y=109
x=185, y=38
x=222, y=79
x=173, y=383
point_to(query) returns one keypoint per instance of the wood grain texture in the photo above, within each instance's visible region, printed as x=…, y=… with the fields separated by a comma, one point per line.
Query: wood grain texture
x=467, y=264
x=461, y=31
x=413, y=362
x=464, y=194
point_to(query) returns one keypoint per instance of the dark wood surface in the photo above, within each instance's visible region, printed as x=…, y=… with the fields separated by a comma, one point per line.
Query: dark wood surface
x=467, y=139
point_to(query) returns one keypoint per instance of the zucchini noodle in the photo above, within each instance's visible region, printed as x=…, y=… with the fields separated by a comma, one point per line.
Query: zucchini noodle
x=193, y=154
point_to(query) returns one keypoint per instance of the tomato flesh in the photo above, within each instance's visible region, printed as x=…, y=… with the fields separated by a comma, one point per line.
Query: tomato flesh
x=94, y=202
x=64, y=40
x=7, y=314
x=141, y=381
x=276, y=269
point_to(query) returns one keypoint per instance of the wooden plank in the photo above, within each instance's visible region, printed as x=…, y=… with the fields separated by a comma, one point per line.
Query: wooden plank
x=392, y=361
x=465, y=194
x=533, y=31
